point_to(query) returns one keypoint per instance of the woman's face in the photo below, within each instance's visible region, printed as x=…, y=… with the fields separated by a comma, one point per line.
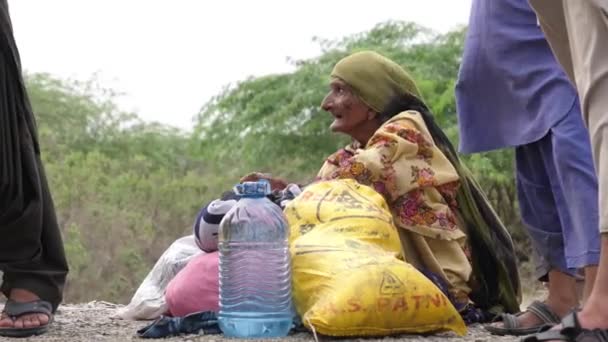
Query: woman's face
x=349, y=112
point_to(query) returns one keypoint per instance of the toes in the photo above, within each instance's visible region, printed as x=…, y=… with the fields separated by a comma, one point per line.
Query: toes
x=43, y=319
x=30, y=321
x=18, y=323
x=6, y=322
x=24, y=322
x=35, y=320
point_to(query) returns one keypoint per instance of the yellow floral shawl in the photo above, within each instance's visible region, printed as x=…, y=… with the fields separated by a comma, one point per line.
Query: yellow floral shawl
x=402, y=163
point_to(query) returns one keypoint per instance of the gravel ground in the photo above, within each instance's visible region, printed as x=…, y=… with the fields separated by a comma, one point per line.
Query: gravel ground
x=96, y=321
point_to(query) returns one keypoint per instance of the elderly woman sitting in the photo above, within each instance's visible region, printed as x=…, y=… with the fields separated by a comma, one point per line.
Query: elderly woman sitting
x=447, y=228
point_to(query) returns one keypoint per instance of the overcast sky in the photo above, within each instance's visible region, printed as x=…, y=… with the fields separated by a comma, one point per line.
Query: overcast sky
x=170, y=57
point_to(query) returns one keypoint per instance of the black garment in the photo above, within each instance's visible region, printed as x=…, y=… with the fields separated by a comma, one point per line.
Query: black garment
x=31, y=248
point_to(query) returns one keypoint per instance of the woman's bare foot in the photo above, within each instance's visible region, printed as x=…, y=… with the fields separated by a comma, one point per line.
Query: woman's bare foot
x=24, y=321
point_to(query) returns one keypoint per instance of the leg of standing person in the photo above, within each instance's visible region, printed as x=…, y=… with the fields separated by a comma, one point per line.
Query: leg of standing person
x=31, y=250
x=563, y=228
x=541, y=216
x=576, y=190
x=577, y=32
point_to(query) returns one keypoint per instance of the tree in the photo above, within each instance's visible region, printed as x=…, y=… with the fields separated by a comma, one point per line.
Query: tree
x=123, y=189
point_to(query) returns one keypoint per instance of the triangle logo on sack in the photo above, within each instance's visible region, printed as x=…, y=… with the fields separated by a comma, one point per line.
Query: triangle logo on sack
x=391, y=284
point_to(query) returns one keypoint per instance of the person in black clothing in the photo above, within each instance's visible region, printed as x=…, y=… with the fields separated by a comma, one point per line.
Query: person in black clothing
x=32, y=256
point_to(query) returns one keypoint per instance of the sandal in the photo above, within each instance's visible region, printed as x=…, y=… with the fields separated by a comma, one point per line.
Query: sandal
x=571, y=331
x=15, y=310
x=512, y=327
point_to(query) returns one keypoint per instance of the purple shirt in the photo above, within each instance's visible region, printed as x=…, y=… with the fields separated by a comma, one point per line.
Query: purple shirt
x=510, y=88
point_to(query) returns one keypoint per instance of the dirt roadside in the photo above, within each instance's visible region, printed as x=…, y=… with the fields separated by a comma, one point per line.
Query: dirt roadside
x=97, y=321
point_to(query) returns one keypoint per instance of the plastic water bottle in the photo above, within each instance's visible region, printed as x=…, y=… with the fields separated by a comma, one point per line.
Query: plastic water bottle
x=255, y=269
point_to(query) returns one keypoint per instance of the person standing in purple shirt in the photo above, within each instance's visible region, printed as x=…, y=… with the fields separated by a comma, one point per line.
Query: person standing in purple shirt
x=511, y=92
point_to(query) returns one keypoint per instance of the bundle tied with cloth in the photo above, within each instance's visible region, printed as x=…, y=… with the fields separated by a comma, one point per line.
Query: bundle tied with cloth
x=348, y=260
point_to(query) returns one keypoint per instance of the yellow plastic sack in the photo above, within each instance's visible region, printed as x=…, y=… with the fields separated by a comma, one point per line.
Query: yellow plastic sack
x=348, y=278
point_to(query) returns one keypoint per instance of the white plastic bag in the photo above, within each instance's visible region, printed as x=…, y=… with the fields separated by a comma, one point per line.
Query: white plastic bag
x=148, y=302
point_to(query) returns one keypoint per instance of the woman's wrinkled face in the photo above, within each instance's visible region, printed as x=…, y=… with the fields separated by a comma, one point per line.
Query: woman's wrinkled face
x=349, y=112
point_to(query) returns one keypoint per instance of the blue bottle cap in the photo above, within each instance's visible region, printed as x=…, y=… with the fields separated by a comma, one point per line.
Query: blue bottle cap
x=261, y=188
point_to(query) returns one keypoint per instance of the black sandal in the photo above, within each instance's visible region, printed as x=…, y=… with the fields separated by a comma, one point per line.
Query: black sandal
x=511, y=325
x=14, y=310
x=571, y=331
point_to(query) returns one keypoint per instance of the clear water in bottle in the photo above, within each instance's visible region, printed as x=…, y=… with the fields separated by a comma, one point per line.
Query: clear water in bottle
x=255, y=270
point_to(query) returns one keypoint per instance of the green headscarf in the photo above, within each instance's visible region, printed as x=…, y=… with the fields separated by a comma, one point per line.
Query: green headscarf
x=376, y=80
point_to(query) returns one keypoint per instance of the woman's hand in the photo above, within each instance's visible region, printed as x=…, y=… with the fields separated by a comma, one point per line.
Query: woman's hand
x=275, y=183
